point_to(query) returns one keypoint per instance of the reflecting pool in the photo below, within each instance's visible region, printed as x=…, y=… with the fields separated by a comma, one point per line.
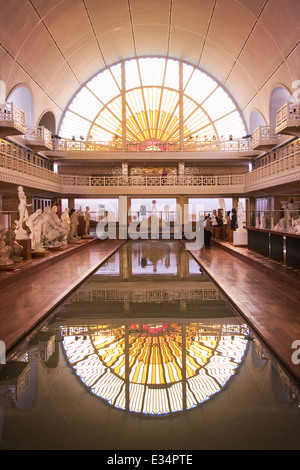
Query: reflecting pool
x=147, y=354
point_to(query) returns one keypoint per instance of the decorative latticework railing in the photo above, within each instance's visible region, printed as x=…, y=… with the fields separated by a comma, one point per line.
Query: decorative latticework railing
x=11, y=112
x=285, y=164
x=288, y=116
x=238, y=145
x=153, y=181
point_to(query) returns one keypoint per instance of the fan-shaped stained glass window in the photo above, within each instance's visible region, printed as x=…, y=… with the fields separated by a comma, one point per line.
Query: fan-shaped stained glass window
x=156, y=369
x=152, y=100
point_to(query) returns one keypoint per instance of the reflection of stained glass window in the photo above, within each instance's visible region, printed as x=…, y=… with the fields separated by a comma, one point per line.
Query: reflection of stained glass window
x=158, y=368
x=152, y=105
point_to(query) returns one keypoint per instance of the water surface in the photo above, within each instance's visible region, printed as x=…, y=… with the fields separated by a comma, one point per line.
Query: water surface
x=147, y=354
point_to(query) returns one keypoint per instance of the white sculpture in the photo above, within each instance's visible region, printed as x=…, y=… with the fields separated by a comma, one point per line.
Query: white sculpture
x=73, y=233
x=295, y=227
x=10, y=240
x=21, y=233
x=65, y=218
x=30, y=222
x=223, y=207
x=50, y=235
x=87, y=223
x=37, y=234
x=241, y=218
x=5, y=252
x=59, y=226
x=214, y=218
x=280, y=227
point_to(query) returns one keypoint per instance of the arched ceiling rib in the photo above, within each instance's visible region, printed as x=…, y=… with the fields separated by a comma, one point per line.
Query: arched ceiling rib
x=56, y=46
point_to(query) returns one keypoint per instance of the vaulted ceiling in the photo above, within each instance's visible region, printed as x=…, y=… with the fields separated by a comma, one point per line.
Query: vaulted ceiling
x=55, y=46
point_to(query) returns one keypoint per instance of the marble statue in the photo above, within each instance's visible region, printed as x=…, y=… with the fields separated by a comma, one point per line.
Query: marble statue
x=21, y=233
x=5, y=254
x=214, y=218
x=10, y=240
x=37, y=234
x=29, y=222
x=73, y=233
x=223, y=207
x=87, y=223
x=280, y=227
x=241, y=218
x=59, y=226
x=65, y=218
x=50, y=235
x=295, y=226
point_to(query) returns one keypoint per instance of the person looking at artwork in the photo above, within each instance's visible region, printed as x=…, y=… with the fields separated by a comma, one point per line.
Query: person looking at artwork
x=233, y=219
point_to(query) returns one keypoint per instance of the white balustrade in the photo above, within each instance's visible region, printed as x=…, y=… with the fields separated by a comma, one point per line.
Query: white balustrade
x=288, y=165
x=39, y=133
x=14, y=159
x=11, y=112
x=288, y=116
x=264, y=136
x=66, y=145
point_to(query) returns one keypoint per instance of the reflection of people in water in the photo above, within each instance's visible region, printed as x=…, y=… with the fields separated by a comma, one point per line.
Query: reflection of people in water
x=150, y=258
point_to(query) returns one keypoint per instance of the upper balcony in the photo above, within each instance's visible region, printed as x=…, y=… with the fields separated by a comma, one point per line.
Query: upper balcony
x=12, y=120
x=288, y=120
x=38, y=139
x=132, y=151
x=265, y=138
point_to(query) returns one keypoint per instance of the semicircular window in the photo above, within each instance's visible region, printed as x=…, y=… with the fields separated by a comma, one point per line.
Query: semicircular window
x=152, y=100
x=155, y=369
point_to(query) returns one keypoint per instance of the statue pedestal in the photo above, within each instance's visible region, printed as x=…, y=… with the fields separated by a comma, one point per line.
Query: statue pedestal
x=240, y=238
x=81, y=226
x=230, y=235
x=39, y=254
x=26, y=244
x=217, y=232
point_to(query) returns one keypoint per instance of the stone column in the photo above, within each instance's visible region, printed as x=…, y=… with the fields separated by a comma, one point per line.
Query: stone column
x=71, y=203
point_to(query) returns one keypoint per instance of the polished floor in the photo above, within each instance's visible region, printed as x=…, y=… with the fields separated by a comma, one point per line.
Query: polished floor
x=148, y=353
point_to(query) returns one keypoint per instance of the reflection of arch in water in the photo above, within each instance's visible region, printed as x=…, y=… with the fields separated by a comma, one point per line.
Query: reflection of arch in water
x=156, y=369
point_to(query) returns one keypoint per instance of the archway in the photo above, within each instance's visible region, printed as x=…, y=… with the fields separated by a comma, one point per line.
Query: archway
x=22, y=97
x=48, y=121
x=279, y=97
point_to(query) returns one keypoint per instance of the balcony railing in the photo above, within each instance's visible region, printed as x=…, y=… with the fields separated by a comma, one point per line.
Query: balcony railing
x=11, y=112
x=288, y=117
x=14, y=166
x=289, y=163
x=264, y=137
x=38, y=137
x=238, y=145
x=153, y=181
x=12, y=120
x=12, y=162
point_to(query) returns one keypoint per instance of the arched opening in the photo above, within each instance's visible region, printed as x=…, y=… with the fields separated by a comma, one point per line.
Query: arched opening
x=22, y=97
x=279, y=97
x=48, y=121
x=163, y=100
x=256, y=120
